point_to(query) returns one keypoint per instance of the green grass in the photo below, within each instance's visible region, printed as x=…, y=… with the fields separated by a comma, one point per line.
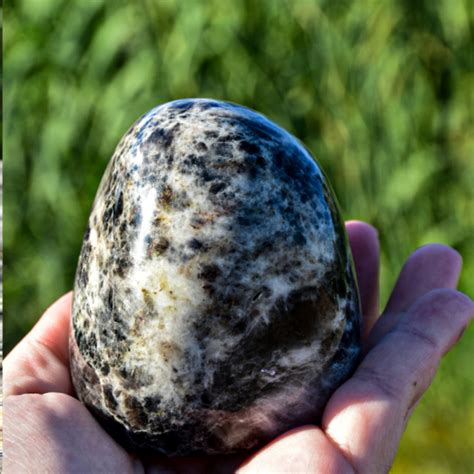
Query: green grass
x=381, y=92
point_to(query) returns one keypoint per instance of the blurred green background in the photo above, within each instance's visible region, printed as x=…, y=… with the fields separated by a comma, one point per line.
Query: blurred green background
x=381, y=92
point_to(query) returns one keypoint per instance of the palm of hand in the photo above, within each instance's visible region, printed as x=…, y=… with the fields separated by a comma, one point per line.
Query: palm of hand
x=46, y=428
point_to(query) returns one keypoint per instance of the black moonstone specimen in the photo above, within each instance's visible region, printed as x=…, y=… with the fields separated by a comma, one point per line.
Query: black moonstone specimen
x=215, y=303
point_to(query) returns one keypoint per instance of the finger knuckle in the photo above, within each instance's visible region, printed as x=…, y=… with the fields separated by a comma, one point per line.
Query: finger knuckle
x=380, y=382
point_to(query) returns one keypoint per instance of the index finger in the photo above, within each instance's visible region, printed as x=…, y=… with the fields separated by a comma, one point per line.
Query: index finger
x=365, y=249
x=367, y=415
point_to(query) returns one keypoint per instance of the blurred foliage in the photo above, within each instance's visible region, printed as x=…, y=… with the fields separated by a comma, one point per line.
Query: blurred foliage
x=381, y=92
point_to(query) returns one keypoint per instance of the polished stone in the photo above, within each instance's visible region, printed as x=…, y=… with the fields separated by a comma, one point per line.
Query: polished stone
x=215, y=303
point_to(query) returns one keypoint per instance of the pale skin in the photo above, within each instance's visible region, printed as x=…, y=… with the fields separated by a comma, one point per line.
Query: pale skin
x=46, y=429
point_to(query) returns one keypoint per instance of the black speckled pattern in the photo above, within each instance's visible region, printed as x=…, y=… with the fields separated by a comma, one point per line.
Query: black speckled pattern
x=215, y=303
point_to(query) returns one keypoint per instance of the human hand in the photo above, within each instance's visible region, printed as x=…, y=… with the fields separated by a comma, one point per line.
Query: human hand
x=48, y=430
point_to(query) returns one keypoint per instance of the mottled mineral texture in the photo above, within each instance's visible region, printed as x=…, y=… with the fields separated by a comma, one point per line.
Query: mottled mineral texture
x=215, y=304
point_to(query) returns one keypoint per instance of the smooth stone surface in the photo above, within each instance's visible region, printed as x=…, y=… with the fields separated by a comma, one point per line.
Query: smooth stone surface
x=215, y=304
